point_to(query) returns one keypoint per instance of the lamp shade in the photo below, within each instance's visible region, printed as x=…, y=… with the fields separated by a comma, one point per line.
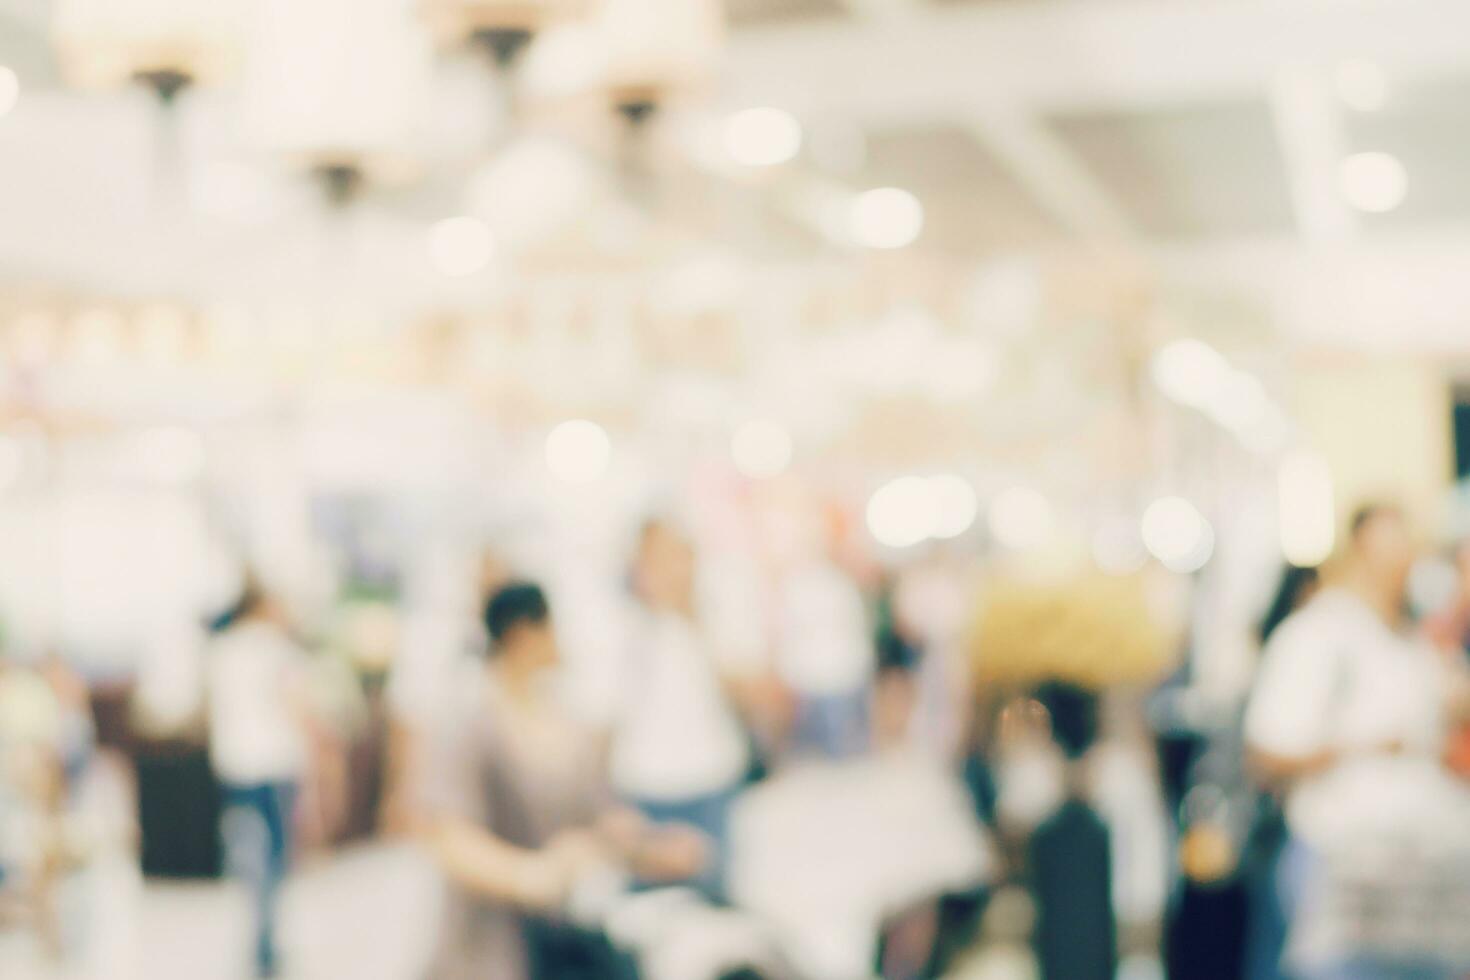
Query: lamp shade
x=107, y=43
x=455, y=21
x=657, y=49
x=337, y=83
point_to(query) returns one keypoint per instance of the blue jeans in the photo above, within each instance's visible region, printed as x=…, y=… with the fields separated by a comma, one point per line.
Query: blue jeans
x=710, y=815
x=835, y=725
x=255, y=824
x=1299, y=872
x=1373, y=967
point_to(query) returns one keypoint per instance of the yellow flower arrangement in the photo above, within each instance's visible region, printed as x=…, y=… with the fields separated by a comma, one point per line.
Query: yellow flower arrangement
x=1088, y=628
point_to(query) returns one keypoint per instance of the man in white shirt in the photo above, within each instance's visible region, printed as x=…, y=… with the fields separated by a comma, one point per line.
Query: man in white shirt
x=1347, y=715
x=259, y=750
x=679, y=751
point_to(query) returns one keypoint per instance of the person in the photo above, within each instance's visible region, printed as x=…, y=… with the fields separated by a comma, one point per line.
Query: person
x=825, y=654
x=32, y=737
x=1266, y=923
x=516, y=812
x=679, y=752
x=442, y=632
x=1348, y=716
x=258, y=746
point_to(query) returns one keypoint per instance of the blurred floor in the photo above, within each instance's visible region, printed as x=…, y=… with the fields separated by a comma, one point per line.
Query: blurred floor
x=367, y=913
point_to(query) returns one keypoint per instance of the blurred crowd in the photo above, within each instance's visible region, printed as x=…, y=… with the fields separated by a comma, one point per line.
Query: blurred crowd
x=839, y=792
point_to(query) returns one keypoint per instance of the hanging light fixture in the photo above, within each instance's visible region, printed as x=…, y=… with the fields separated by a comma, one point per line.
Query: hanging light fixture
x=335, y=87
x=658, y=50
x=501, y=28
x=167, y=45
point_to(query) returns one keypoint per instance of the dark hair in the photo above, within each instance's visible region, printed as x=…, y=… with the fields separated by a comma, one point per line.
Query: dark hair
x=512, y=605
x=743, y=973
x=1074, y=716
x=1294, y=581
x=248, y=601
x=1367, y=513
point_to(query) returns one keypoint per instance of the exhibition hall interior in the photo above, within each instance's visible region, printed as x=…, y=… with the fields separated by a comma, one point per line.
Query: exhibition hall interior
x=734, y=489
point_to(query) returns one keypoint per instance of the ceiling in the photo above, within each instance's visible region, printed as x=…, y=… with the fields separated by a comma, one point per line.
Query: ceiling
x=1199, y=137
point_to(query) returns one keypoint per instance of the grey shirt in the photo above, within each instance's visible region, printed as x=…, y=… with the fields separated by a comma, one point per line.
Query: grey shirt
x=524, y=773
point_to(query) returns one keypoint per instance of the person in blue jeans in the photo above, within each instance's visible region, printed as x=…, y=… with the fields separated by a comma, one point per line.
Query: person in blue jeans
x=680, y=752
x=256, y=826
x=1348, y=717
x=258, y=747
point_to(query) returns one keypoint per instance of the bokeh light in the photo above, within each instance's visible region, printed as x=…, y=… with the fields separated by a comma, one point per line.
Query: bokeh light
x=762, y=137
x=886, y=218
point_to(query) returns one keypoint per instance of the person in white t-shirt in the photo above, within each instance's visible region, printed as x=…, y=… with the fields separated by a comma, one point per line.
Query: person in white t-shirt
x=1348, y=716
x=679, y=751
x=824, y=652
x=258, y=745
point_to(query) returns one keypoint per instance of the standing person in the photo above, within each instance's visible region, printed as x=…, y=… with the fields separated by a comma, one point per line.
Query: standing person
x=679, y=751
x=1348, y=716
x=516, y=811
x=511, y=800
x=825, y=654
x=1266, y=923
x=258, y=744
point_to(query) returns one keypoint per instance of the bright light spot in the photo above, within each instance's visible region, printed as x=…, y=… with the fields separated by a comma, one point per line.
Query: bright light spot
x=1190, y=371
x=169, y=454
x=762, y=137
x=96, y=334
x=1117, y=547
x=761, y=449
x=1177, y=534
x=9, y=89
x=1020, y=518
x=461, y=246
x=578, y=451
x=887, y=217
x=1373, y=182
x=1362, y=85
x=1305, y=509
x=901, y=512
x=954, y=504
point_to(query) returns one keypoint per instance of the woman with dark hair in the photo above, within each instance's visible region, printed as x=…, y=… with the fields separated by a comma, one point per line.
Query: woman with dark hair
x=1298, y=584
x=1266, y=923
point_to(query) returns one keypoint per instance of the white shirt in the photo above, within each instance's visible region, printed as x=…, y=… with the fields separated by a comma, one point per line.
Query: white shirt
x=1336, y=676
x=254, y=736
x=677, y=736
x=825, y=647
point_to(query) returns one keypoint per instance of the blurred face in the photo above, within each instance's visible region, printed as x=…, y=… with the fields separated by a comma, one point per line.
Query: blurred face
x=531, y=647
x=1386, y=548
x=665, y=572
